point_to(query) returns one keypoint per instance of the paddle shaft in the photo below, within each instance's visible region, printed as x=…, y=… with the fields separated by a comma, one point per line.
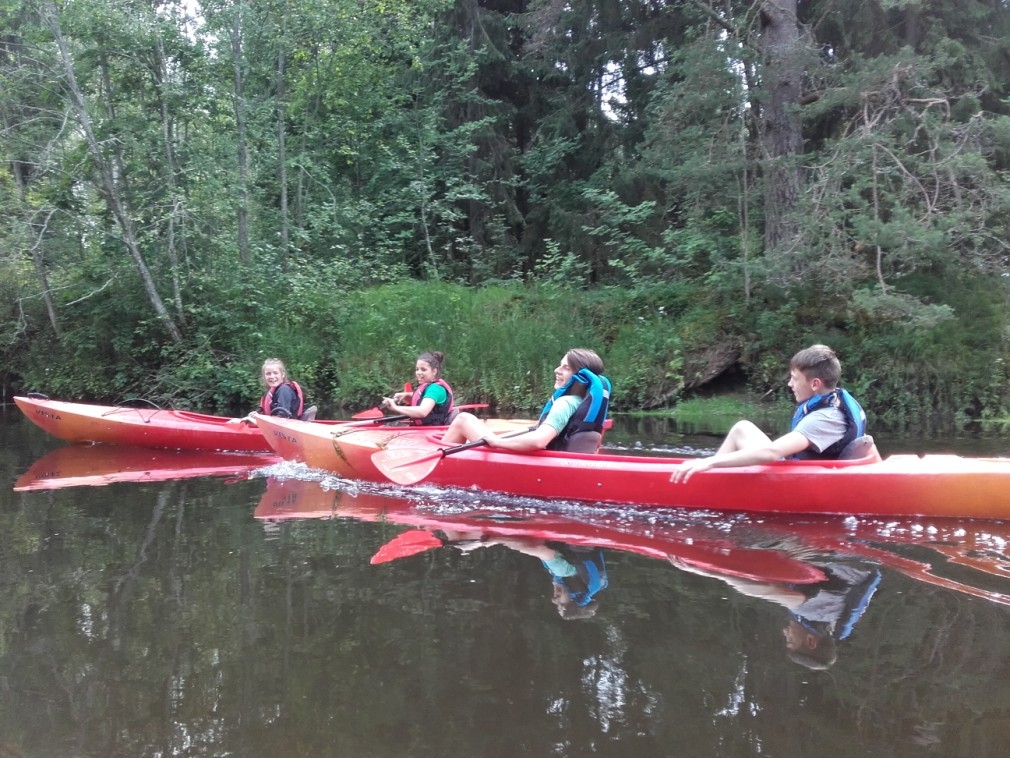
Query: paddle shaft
x=444, y=451
x=375, y=414
x=405, y=466
x=373, y=421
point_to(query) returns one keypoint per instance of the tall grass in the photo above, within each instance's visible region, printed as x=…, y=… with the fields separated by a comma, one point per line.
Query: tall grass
x=501, y=344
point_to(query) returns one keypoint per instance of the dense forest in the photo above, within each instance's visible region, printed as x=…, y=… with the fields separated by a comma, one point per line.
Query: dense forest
x=696, y=188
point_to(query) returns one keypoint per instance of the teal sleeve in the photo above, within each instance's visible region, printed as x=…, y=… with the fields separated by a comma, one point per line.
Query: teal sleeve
x=437, y=393
x=562, y=411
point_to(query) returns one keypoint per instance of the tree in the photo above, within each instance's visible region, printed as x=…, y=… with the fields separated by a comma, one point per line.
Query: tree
x=109, y=180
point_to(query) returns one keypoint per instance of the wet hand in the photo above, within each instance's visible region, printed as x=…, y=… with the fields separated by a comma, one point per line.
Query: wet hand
x=388, y=403
x=687, y=469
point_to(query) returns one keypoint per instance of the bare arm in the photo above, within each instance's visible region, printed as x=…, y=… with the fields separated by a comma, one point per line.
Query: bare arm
x=784, y=447
x=538, y=439
x=413, y=411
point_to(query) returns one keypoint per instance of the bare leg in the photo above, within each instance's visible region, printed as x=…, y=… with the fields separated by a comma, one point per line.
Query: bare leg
x=744, y=434
x=465, y=428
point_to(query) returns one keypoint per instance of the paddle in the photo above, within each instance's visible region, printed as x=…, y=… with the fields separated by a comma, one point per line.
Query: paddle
x=375, y=412
x=376, y=415
x=409, y=465
x=372, y=420
x=406, y=544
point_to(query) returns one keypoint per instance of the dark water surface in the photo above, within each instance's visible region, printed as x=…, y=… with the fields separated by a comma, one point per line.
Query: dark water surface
x=242, y=616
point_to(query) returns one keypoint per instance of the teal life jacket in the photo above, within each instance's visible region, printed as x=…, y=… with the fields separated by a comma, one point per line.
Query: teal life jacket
x=591, y=414
x=590, y=575
x=855, y=421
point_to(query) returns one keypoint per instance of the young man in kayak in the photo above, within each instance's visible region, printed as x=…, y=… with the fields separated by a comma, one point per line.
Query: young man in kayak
x=431, y=403
x=827, y=418
x=573, y=415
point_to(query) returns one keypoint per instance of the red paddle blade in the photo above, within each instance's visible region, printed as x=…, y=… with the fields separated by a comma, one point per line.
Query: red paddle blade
x=406, y=544
x=370, y=413
x=406, y=465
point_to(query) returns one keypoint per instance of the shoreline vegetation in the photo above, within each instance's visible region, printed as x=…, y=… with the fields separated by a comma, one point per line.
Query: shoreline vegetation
x=674, y=352
x=192, y=188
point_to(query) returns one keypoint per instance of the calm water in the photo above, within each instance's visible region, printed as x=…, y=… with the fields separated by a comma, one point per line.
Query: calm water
x=243, y=616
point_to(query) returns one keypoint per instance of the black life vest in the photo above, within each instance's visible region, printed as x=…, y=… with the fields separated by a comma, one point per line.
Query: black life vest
x=855, y=421
x=591, y=414
x=439, y=415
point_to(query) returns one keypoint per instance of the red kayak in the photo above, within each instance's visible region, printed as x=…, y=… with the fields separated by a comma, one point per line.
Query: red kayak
x=141, y=427
x=97, y=465
x=154, y=427
x=900, y=485
x=707, y=549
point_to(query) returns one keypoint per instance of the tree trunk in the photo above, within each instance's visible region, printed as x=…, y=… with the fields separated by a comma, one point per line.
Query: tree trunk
x=782, y=135
x=107, y=184
x=242, y=214
x=171, y=176
x=282, y=157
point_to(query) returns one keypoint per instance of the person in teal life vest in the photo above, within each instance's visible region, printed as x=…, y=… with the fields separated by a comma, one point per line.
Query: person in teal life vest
x=431, y=404
x=284, y=398
x=572, y=419
x=826, y=420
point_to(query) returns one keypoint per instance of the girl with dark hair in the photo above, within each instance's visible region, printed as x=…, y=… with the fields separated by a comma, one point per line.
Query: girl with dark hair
x=431, y=404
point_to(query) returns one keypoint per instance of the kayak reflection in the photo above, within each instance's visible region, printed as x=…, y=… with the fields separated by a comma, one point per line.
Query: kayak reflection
x=822, y=571
x=688, y=541
x=97, y=465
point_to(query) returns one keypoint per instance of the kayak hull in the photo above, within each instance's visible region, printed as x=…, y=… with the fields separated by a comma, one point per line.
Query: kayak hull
x=150, y=427
x=140, y=427
x=900, y=485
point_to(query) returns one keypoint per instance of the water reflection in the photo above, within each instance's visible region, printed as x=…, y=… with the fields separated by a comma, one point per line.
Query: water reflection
x=99, y=465
x=578, y=573
x=820, y=615
x=165, y=619
x=823, y=572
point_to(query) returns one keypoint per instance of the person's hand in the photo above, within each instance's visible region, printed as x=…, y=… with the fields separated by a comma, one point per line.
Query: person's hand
x=399, y=397
x=687, y=469
x=388, y=403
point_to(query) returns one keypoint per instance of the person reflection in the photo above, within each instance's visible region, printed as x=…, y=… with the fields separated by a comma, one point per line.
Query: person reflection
x=820, y=614
x=578, y=573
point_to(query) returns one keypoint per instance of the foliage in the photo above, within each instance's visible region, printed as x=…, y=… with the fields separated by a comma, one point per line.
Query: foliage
x=189, y=189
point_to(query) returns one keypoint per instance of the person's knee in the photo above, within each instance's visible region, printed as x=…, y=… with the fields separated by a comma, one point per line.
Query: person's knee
x=746, y=428
x=459, y=428
x=743, y=434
